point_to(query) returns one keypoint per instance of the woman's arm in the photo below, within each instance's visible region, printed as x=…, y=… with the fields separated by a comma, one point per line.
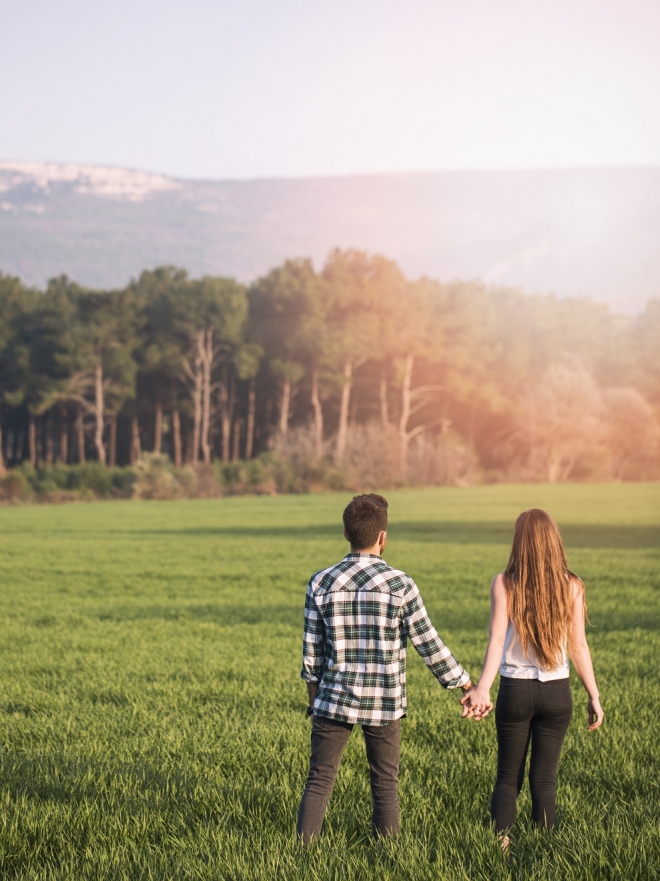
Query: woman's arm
x=581, y=657
x=499, y=618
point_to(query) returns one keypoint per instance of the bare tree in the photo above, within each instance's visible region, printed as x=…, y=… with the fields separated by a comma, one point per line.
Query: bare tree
x=81, y=385
x=632, y=433
x=561, y=418
x=413, y=400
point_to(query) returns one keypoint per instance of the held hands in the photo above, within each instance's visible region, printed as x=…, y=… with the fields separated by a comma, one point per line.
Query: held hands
x=595, y=713
x=476, y=703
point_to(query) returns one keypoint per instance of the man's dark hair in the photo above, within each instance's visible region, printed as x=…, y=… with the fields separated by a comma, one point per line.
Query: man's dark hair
x=364, y=519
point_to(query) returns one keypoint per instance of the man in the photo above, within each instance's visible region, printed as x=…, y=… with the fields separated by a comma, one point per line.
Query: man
x=358, y=617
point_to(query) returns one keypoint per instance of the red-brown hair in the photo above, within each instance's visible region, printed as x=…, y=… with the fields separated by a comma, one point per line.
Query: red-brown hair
x=540, y=588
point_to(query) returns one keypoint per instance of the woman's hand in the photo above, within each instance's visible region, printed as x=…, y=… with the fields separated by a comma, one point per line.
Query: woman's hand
x=476, y=704
x=595, y=713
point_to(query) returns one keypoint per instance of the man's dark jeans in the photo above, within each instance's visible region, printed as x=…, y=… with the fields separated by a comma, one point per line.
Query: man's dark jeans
x=329, y=739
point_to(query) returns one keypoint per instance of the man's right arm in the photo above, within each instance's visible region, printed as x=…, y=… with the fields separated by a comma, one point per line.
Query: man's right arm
x=428, y=644
x=313, y=643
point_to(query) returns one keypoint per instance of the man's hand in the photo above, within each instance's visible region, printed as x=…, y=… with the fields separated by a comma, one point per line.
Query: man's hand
x=476, y=704
x=312, y=691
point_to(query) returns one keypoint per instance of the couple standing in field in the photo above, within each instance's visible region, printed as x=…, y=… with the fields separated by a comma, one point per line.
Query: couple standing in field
x=359, y=615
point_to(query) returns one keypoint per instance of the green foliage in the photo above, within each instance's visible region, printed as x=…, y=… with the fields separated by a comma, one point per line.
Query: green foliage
x=152, y=716
x=207, y=368
x=155, y=478
x=273, y=473
x=54, y=482
x=288, y=308
x=93, y=476
x=14, y=486
x=123, y=480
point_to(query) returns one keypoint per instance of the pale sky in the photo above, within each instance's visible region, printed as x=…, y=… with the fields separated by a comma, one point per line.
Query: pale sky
x=261, y=88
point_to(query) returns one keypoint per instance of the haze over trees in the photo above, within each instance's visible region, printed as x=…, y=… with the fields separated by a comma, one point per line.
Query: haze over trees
x=352, y=365
x=573, y=231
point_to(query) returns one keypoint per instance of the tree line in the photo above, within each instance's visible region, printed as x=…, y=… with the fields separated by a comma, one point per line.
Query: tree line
x=204, y=369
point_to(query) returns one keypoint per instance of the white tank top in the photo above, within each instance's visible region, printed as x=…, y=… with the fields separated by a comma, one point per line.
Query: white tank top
x=516, y=665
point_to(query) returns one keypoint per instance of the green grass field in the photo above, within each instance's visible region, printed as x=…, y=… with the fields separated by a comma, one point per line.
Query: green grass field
x=152, y=717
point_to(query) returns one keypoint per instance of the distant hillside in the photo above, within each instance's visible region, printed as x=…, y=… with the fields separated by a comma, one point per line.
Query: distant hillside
x=571, y=232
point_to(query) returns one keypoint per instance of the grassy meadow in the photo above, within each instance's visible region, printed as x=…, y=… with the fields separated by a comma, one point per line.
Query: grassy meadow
x=152, y=716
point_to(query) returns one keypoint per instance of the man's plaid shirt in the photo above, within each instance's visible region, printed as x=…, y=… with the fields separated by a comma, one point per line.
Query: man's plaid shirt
x=358, y=617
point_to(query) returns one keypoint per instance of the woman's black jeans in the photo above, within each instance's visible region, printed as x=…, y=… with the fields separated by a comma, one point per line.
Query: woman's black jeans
x=527, y=710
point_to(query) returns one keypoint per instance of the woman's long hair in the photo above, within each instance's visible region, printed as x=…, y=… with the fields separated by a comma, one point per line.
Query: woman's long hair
x=539, y=586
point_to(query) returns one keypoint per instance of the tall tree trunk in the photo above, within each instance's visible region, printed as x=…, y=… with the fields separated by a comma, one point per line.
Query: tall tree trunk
x=64, y=434
x=567, y=468
x=177, y=446
x=80, y=432
x=32, y=440
x=38, y=429
x=249, y=438
x=352, y=419
x=342, y=434
x=99, y=413
x=176, y=438
x=405, y=411
x=284, y=407
x=158, y=423
x=197, y=405
x=49, y=438
x=236, y=446
x=112, y=449
x=205, y=342
x=472, y=423
x=136, y=446
x=318, y=415
x=2, y=455
x=19, y=446
x=553, y=470
x=226, y=412
x=384, y=414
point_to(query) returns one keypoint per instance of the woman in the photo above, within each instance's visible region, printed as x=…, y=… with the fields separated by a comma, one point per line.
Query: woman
x=537, y=608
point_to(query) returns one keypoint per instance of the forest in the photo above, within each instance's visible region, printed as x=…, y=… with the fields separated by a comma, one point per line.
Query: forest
x=349, y=375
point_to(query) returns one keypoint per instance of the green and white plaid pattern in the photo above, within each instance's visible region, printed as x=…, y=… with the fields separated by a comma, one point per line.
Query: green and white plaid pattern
x=358, y=617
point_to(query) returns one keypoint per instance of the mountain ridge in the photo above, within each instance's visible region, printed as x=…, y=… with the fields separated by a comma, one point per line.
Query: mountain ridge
x=571, y=232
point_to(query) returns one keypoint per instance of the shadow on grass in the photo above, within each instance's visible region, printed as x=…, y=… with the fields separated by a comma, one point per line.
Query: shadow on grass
x=450, y=532
x=459, y=615
x=225, y=614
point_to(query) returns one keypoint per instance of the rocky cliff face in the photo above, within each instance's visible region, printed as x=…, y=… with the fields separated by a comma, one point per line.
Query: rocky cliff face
x=572, y=232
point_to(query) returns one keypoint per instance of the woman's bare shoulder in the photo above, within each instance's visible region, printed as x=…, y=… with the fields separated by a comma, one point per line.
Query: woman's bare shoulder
x=498, y=585
x=577, y=585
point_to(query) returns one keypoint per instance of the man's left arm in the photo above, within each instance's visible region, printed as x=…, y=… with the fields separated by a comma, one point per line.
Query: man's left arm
x=428, y=644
